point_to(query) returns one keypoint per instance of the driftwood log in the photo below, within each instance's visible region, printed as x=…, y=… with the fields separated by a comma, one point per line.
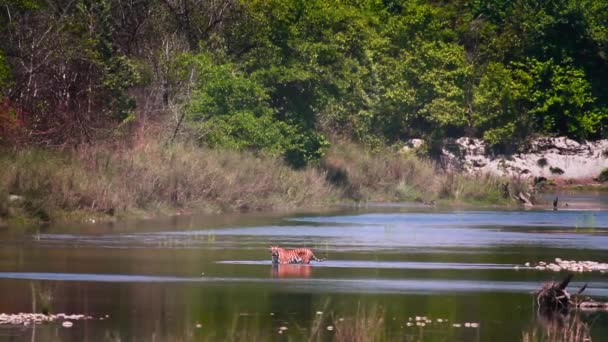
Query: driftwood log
x=554, y=297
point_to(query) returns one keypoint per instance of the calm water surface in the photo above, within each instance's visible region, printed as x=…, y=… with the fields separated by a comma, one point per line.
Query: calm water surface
x=156, y=280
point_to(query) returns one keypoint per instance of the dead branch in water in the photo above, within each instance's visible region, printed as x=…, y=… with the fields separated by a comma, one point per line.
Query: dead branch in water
x=553, y=297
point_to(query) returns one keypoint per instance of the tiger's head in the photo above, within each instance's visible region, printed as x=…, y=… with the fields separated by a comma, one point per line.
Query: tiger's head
x=274, y=252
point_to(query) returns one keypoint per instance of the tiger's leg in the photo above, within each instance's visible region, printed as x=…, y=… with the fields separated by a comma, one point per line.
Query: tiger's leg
x=294, y=260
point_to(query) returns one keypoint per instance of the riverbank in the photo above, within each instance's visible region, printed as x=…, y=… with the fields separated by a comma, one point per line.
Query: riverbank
x=561, y=161
x=104, y=182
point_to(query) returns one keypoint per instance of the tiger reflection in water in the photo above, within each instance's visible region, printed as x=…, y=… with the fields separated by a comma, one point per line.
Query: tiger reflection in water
x=291, y=271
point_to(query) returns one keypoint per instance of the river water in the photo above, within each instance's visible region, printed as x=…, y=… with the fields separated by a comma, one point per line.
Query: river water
x=210, y=278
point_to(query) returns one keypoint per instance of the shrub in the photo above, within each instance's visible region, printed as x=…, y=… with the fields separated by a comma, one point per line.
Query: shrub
x=306, y=149
x=603, y=177
x=231, y=109
x=556, y=170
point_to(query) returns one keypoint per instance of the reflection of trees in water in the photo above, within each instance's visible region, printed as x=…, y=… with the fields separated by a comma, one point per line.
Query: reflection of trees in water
x=558, y=326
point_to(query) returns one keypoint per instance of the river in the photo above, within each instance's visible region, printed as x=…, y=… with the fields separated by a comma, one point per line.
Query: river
x=210, y=277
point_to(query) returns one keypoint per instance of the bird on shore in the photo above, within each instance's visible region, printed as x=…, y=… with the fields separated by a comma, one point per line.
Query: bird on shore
x=555, y=203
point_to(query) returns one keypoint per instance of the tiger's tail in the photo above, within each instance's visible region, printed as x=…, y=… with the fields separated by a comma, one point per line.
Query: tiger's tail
x=317, y=259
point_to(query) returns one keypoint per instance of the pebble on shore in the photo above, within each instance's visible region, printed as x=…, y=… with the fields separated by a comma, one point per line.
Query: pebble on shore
x=570, y=265
x=23, y=318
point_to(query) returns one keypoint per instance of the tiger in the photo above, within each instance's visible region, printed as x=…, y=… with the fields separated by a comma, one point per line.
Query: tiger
x=292, y=256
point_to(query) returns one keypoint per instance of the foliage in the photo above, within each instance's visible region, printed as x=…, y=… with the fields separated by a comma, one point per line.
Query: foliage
x=5, y=73
x=228, y=109
x=279, y=76
x=603, y=177
x=534, y=96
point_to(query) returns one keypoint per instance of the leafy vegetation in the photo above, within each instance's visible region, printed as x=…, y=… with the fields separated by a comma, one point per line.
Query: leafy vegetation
x=603, y=177
x=281, y=76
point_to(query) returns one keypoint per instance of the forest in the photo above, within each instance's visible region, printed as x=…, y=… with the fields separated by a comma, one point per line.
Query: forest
x=286, y=76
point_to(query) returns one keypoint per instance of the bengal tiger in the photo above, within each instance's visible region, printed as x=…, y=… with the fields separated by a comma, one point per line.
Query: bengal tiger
x=292, y=256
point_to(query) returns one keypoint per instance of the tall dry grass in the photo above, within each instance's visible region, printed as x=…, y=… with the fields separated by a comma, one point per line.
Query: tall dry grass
x=379, y=175
x=558, y=329
x=367, y=325
x=387, y=175
x=150, y=176
x=153, y=177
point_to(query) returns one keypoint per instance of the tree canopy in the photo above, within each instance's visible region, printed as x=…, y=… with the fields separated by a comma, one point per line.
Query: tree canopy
x=283, y=75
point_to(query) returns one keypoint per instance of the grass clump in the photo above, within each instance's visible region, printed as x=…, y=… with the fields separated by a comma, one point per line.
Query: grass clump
x=476, y=189
x=379, y=175
x=367, y=325
x=559, y=328
x=385, y=175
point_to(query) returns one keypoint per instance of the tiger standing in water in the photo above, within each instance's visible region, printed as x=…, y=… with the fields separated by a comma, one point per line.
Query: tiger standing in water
x=292, y=256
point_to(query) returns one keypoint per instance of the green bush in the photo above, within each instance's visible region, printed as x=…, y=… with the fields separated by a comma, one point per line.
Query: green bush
x=306, y=148
x=245, y=131
x=556, y=170
x=603, y=177
x=231, y=109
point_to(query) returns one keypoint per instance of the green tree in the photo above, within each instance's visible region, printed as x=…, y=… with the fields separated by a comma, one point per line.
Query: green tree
x=533, y=97
x=5, y=73
x=230, y=109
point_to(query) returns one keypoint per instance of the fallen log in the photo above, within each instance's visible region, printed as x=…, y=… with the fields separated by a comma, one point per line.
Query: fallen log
x=553, y=297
